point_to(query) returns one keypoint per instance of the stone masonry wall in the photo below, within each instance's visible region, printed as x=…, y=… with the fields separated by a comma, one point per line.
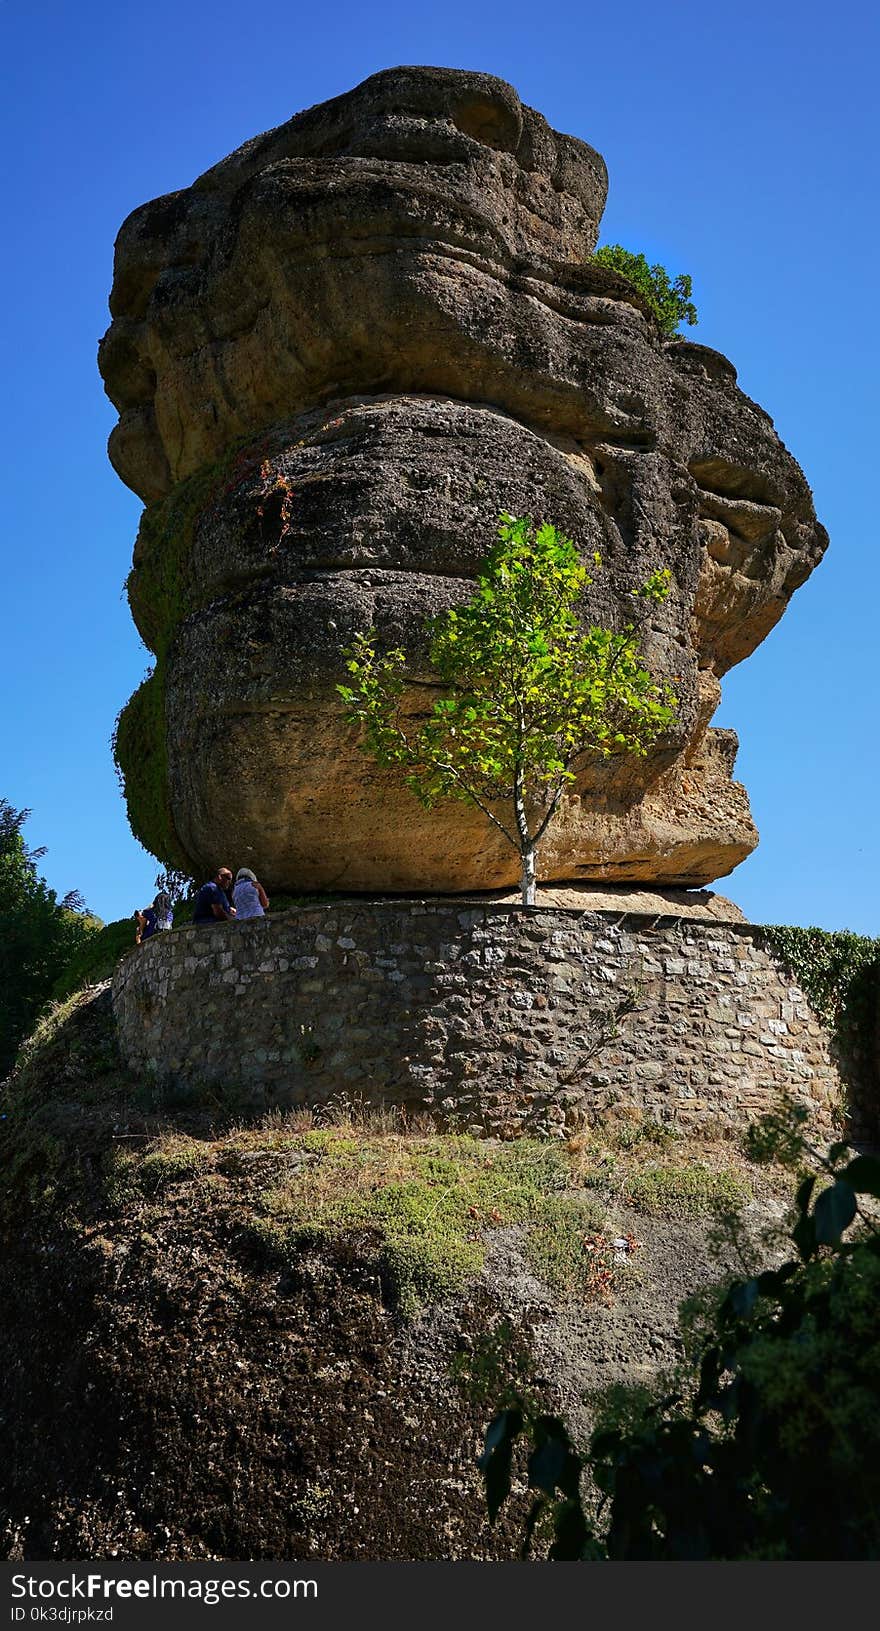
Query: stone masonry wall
x=495, y=1018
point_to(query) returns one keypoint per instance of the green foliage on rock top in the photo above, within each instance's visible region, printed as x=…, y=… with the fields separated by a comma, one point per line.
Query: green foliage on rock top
x=668, y=298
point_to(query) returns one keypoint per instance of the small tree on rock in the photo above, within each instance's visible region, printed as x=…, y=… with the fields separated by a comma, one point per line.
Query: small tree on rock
x=178, y=885
x=528, y=693
x=668, y=298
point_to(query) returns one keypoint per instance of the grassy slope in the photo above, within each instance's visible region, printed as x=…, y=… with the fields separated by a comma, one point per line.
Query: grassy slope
x=96, y=960
x=86, y=1133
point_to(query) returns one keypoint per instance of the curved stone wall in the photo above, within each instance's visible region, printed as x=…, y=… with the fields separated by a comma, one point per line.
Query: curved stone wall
x=494, y=1018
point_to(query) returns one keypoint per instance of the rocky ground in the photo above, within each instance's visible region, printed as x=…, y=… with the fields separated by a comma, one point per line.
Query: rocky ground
x=227, y=1339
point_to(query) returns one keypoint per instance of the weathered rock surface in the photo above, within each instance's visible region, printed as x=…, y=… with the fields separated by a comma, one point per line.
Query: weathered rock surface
x=336, y=357
x=702, y=904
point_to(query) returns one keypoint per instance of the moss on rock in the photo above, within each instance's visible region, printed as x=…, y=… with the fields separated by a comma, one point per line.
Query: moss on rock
x=141, y=755
x=431, y=1204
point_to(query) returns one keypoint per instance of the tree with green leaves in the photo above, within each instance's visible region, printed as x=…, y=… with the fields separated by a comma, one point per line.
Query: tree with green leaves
x=668, y=298
x=528, y=693
x=39, y=934
x=766, y=1445
x=178, y=885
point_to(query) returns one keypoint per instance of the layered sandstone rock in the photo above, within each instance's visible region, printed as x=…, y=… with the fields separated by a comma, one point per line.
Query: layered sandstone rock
x=336, y=358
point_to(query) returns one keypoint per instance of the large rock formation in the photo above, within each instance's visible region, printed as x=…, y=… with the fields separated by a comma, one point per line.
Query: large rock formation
x=336, y=357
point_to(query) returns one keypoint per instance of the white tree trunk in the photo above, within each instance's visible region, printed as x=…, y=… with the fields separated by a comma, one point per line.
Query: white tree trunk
x=526, y=846
x=529, y=877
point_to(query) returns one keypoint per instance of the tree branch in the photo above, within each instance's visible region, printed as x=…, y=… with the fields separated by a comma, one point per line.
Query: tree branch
x=458, y=778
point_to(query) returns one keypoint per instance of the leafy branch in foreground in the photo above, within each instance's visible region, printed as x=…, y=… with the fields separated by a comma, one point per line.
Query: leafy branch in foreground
x=528, y=694
x=769, y=1446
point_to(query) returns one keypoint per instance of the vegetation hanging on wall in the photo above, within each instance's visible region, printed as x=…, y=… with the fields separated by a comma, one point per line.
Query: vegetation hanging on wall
x=840, y=974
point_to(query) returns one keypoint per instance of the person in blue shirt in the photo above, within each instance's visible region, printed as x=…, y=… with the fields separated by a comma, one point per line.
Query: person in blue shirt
x=147, y=924
x=212, y=904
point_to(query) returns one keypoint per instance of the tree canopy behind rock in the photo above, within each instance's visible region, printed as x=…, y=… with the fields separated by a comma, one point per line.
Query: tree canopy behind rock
x=40, y=933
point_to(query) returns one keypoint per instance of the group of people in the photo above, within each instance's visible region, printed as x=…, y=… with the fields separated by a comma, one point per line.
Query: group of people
x=219, y=900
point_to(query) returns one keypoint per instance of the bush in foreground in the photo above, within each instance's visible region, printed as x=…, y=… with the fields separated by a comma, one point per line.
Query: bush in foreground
x=768, y=1444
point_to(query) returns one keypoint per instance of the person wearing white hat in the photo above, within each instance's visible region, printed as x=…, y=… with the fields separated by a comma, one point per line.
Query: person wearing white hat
x=248, y=896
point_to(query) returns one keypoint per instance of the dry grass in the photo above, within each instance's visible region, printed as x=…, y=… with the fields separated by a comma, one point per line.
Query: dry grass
x=637, y=1162
x=431, y=1201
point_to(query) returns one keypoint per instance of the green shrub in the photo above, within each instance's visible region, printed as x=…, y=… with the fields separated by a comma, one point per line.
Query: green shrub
x=684, y=1192
x=119, y=1170
x=425, y=1270
x=96, y=959
x=669, y=299
x=766, y=1445
x=173, y=1164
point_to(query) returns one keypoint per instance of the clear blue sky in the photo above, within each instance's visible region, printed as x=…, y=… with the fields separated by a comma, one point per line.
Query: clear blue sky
x=741, y=145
